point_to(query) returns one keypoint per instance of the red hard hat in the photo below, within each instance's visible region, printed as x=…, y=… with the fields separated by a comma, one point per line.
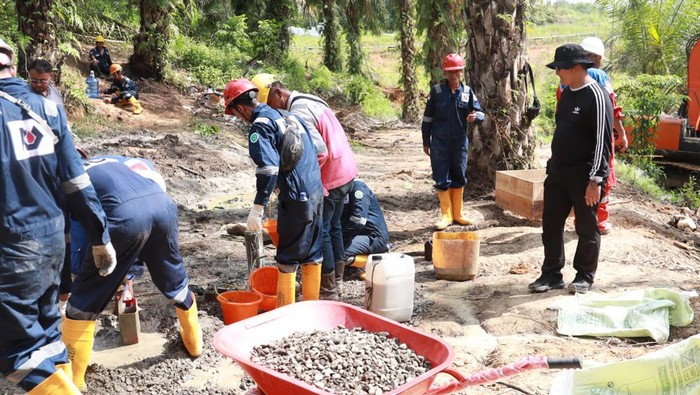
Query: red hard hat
x=236, y=88
x=453, y=62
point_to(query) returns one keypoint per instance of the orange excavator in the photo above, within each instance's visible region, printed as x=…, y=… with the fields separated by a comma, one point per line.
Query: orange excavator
x=678, y=137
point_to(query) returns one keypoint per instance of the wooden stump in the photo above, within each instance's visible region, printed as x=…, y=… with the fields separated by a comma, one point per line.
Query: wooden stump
x=254, y=250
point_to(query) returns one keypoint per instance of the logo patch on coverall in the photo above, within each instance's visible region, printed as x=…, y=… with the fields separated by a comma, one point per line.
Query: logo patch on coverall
x=254, y=138
x=359, y=195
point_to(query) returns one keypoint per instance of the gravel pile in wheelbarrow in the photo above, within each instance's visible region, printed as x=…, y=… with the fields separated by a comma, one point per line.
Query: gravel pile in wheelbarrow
x=343, y=361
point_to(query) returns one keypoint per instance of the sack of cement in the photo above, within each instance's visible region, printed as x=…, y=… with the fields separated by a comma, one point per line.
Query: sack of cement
x=672, y=370
x=639, y=313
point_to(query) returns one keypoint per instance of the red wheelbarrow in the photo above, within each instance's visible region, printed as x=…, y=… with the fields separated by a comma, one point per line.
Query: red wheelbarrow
x=237, y=341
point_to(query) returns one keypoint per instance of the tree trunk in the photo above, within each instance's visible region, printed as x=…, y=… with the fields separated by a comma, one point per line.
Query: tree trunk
x=331, y=50
x=410, y=110
x=151, y=44
x=505, y=140
x=282, y=11
x=34, y=21
x=438, y=38
x=353, y=39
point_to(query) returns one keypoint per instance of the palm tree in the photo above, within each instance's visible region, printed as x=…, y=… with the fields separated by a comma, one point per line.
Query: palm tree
x=282, y=12
x=496, y=31
x=410, y=110
x=151, y=44
x=35, y=21
x=360, y=14
x=326, y=11
x=657, y=29
x=440, y=21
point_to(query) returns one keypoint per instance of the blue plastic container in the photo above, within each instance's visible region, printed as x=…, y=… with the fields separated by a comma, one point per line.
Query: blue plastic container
x=93, y=86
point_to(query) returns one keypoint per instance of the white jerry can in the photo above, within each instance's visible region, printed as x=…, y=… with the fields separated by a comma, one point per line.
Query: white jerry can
x=389, y=285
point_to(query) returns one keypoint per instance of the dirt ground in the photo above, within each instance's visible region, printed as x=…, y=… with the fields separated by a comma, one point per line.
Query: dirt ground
x=489, y=321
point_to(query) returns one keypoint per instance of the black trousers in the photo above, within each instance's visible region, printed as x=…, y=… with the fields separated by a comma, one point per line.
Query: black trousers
x=562, y=192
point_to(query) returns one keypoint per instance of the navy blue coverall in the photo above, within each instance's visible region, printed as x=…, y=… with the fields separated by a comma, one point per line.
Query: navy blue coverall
x=143, y=225
x=300, y=208
x=79, y=241
x=124, y=89
x=444, y=130
x=104, y=60
x=364, y=229
x=39, y=169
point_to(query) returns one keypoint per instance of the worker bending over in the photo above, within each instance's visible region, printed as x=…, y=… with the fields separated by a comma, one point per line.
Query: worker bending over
x=336, y=161
x=143, y=226
x=123, y=90
x=280, y=145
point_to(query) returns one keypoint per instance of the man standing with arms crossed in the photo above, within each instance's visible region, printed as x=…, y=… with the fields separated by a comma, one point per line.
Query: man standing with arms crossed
x=576, y=172
x=37, y=157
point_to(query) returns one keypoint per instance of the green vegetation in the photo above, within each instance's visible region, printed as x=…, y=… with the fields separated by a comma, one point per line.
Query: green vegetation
x=205, y=129
x=569, y=19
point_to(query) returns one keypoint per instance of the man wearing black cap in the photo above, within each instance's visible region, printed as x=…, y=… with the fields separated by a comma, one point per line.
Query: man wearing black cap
x=576, y=172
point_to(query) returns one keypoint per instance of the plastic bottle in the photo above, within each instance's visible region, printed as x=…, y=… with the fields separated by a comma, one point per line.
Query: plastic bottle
x=93, y=86
x=389, y=285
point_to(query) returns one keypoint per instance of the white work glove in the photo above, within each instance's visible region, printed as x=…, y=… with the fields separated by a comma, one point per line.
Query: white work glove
x=255, y=217
x=105, y=258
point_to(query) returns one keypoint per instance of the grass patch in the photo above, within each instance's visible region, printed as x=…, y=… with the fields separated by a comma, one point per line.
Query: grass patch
x=202, y=128
x=641, y=180
x=92, y=126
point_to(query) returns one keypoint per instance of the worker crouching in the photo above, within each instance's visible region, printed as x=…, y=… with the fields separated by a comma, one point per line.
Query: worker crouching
x=280, y=145
x=123, y=90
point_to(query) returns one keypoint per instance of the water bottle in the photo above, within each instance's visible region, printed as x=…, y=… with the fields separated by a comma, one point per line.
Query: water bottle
x=93, y=86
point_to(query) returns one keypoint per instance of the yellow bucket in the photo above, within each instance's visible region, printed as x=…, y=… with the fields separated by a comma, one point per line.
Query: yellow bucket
x=456, y=255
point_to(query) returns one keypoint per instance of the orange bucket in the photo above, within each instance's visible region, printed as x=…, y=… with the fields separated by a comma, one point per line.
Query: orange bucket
x=263, y=281
x=238, y=305
x=271, y=226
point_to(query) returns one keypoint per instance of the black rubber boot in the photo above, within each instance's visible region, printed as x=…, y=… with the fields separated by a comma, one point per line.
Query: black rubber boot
x=329, y=288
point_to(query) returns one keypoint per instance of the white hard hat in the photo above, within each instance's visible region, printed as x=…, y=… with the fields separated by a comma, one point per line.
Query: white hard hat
x=6, y=54
x=593, y=45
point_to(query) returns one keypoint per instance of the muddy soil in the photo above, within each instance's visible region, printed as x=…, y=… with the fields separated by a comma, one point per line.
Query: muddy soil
x=489, y=321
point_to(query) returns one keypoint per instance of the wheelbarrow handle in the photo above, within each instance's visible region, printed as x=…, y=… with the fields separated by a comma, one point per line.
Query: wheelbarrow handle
x=565, y=363
x=450, y=387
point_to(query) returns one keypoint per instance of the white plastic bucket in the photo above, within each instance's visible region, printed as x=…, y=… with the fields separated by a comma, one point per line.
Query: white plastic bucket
x=389, y=285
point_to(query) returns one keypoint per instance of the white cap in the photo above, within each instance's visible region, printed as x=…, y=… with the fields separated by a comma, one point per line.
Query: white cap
x=6, y=54
x=593, y=45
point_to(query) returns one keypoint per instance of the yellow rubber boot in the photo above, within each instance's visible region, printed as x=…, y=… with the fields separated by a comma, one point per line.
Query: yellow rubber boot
x=67, y=368
x=359, y=261
x=286, y=288
x=78, y=337
x=310, y=281
x=58, y=383
x=457, y=204
x=190, y=330
x=446, y=210
x=136, y=105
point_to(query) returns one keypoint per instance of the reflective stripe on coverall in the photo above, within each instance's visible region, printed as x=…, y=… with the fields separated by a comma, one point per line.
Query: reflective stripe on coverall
x=444, y=130
x=143, y=225
x=32, y=241
x=364, y=228
x=299, y=214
